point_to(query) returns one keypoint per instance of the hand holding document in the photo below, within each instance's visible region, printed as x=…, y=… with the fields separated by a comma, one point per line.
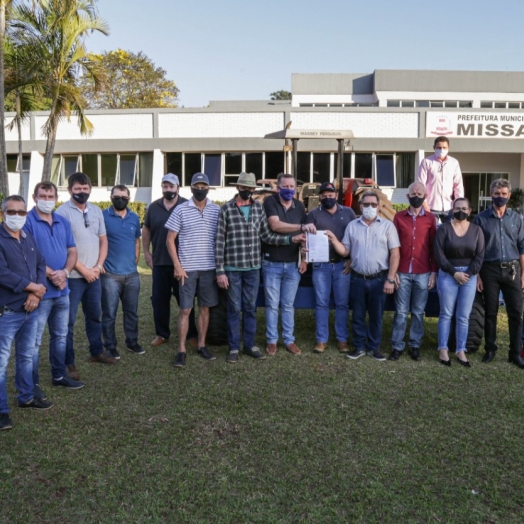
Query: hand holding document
x=317, y=247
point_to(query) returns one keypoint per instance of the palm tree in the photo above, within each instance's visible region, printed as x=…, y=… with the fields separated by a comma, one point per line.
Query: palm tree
x=55, y=32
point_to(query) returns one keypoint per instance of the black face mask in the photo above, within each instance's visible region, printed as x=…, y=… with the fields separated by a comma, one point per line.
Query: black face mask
x=81, y=198
x=245, y=194
x=499, y=201
x=119, y=203
x=199, y=194
x=460, y=215
x=169, y=195
x=416, y=201
x=328, y=203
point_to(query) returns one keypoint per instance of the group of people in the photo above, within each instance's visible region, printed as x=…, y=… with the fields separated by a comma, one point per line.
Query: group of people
x=51, y=261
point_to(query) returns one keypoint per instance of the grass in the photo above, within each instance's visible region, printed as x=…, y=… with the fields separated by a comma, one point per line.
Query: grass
x=314, y=438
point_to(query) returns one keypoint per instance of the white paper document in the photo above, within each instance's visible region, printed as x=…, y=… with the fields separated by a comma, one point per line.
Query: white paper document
x=317, y=247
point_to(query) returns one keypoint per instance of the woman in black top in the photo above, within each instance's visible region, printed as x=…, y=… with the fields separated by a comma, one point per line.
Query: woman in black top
x=459, y=252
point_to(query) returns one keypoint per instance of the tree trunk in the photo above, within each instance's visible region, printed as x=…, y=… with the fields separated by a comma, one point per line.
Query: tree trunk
x=48, y=156
x=4, y=188
x=20, y=145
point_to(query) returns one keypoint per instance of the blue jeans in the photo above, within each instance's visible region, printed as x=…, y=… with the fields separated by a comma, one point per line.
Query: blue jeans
x=20, y=327
x=115, y=288
x=90, y=296
x=455, y=299
x=412, y=294
x=55, y=313
x=367, y=296
x=281, y=281
x=242, y=297
x=329, y=278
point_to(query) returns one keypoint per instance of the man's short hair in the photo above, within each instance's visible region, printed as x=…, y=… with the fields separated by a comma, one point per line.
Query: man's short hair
x=284, y=175
x=78, y=178
x=46, y=186
x=368, y=193
x=416, y=183
x=499, y=183
x=440, y=139
x=13, y=198
x=120, y=187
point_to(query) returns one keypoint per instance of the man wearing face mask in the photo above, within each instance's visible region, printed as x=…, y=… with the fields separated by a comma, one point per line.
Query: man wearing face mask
x=441, y=175
x=333, y=276
x=165, y=285
x=54, y=238
x=417, y=271
x=193, y=225
x=89, y=232
x=373, y=244
x=22, y=287
x=281, y=267
x=120, y=280
x=502, y=270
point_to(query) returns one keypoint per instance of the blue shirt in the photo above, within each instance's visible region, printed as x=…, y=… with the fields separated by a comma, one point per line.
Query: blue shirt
x=122, y=233
x=20, y=264
x=53, y=241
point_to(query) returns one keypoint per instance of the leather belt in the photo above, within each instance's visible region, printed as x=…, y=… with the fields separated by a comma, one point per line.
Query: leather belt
x=335, y=260
x=504, y=265
x=374, y=276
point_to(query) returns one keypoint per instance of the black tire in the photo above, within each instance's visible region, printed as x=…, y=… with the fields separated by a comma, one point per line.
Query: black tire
x=476, y=327
x=217, y=330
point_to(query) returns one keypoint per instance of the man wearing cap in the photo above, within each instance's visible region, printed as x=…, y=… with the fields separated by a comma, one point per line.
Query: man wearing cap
x=193, y=225
x=165, y=284
x=331, y=277
x=281, y=266
x=242, y=224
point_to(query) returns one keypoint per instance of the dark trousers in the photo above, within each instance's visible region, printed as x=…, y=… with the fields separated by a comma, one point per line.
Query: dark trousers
x=494, y=280
x=165, y=285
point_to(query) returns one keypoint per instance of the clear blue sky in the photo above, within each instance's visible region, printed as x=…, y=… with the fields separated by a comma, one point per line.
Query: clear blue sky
x=245, y=49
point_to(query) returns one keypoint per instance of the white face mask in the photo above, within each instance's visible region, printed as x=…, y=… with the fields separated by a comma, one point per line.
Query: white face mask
x=441, y=153
x=14, y=223
x=45, y=206
x=370, y=213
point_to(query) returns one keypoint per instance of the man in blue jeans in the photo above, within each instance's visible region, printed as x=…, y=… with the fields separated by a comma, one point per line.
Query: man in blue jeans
x=373, y=244
x=333, y=276
x=89, y=232
x=55, y=241
x=22, y=286
x=120, y=280
x=281, y=266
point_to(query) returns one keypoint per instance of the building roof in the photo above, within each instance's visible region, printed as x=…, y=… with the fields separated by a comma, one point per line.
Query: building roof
x=332, y=84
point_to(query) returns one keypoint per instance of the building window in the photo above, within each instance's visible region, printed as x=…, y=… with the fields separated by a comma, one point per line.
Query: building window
x=304, y=166
x=346, y=170
x=465, y=103
x=254, y=164
x=385, y=170
x=363, y=165
x=393, y=103
x=513, y=105
x=145, y=169
x=321, y=167
x=212, y=168
x=273, y=164
x=14, y=167
x=192, y=165
x=174, y=163
x=127, y=170
x=404, y=169
x=422, y=103
x=486, y=105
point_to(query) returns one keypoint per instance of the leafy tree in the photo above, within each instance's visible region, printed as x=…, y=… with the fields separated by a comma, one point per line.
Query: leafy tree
x=280, y=95
x=129, y=81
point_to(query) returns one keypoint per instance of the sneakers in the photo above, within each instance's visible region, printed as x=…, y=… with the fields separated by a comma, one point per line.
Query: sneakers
x=136, y=349
x=102, y=359
x=205, y=353
x=232, y=357
x=395, y=355
x=294, y=349
x=271, y=350
x=67, y=382
x=320, y=347
x=357, y=353
x=5, y=421
x=343, y=347
x=180, y=360
x=36, y=404
x=414, y=353
x=72, y=372
x=113, y=353
x=377, y=355
x=255, y=353
x=39, y=393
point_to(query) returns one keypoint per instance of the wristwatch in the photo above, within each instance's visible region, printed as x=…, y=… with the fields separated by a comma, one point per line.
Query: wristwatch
x=391, y=280
x=99, y=267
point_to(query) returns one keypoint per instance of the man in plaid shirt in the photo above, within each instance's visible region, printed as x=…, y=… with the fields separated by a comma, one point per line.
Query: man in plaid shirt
x=242, y=224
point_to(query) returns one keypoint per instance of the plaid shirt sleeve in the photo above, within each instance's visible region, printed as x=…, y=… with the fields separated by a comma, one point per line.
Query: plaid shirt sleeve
x=270, y=237
x=220, y=243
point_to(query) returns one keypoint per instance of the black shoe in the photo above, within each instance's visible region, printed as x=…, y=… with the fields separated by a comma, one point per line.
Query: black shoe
x=36, y=404
x=488, y=357
x=395, y=355
x=516, y=359
x=445, y=362
x=205, y=353
x=180, y=360
x=5, y=421
x=377, y=355
x=232, y=357
x=113, y=353
x=136, y=349
x=38, y=393
x=356, y=353
x=464, y=363
x=255, y=353
x=414, y=353
x=69, y=383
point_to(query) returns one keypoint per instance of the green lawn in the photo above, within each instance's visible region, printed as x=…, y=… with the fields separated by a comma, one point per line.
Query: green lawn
x=314, y=438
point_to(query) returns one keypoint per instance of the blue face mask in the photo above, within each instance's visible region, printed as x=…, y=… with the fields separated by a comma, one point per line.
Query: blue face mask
x=441, y=153
x=286, y=194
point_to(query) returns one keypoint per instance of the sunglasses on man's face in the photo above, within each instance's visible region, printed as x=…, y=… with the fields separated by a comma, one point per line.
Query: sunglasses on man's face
x=367, y=204
x=13, y=212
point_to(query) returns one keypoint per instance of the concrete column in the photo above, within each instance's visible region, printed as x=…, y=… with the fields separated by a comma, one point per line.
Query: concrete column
x=419, y=156
x=35, y=175
x=158, y=173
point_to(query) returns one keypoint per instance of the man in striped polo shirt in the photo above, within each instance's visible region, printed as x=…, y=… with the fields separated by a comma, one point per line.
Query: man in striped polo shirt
x=195, y=224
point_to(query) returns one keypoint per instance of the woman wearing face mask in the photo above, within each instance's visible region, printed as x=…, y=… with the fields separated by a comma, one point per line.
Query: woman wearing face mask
x=459, y=252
